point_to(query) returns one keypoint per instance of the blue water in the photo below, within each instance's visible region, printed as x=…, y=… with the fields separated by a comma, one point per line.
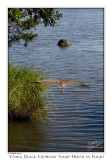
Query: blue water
x=76, y=118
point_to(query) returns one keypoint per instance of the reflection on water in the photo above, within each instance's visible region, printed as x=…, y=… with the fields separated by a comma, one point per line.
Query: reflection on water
x=76, y=118
x=29, y=136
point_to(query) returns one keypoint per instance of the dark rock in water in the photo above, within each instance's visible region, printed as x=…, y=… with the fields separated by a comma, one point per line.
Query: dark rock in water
x=64, y=43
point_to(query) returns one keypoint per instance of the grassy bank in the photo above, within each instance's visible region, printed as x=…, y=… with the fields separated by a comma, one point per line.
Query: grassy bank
x=24, y=96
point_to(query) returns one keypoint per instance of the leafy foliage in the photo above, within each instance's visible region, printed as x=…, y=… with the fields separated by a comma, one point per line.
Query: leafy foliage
x=22, y=22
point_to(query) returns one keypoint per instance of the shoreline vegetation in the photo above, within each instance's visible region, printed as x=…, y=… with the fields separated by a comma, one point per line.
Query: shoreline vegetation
x=25, y=98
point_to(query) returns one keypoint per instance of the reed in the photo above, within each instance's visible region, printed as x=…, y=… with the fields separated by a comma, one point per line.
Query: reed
x=25, y=98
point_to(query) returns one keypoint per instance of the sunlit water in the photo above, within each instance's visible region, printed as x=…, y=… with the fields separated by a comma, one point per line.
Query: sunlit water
x=76, y=118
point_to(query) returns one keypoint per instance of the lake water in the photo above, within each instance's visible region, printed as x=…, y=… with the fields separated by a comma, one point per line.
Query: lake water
x=76, y=118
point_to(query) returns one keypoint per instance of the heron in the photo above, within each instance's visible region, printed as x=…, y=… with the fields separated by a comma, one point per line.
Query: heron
x=61, y=83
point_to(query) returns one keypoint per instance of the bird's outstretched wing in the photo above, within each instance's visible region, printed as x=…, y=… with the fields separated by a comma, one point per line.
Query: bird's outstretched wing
x=74, y=83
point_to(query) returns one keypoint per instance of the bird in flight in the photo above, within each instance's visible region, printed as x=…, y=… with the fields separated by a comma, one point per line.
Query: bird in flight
x=61, y=83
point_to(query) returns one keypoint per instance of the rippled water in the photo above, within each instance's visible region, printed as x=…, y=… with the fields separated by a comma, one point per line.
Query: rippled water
x=76, y=118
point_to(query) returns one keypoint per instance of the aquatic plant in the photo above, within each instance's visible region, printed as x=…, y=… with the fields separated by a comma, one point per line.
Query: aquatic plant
x=25, y=98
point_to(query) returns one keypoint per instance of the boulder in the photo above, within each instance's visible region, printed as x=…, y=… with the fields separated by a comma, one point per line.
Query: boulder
x=64, y=43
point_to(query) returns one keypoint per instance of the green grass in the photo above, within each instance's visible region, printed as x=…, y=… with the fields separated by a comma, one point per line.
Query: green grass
x=25, y=98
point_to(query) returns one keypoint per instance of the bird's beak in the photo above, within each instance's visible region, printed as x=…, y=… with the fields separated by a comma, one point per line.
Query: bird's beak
x=37, y=82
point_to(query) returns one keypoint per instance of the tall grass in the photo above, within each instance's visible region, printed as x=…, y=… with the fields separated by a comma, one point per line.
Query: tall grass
x=24, y=96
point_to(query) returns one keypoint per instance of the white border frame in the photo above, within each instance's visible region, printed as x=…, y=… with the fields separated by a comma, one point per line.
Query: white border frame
x=107, y=68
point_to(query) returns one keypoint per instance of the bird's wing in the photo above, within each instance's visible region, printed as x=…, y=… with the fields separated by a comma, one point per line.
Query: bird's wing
x=73, y=83
x=51, y=81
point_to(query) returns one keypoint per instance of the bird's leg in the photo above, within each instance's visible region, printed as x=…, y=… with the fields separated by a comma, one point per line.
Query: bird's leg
x=62, y=88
